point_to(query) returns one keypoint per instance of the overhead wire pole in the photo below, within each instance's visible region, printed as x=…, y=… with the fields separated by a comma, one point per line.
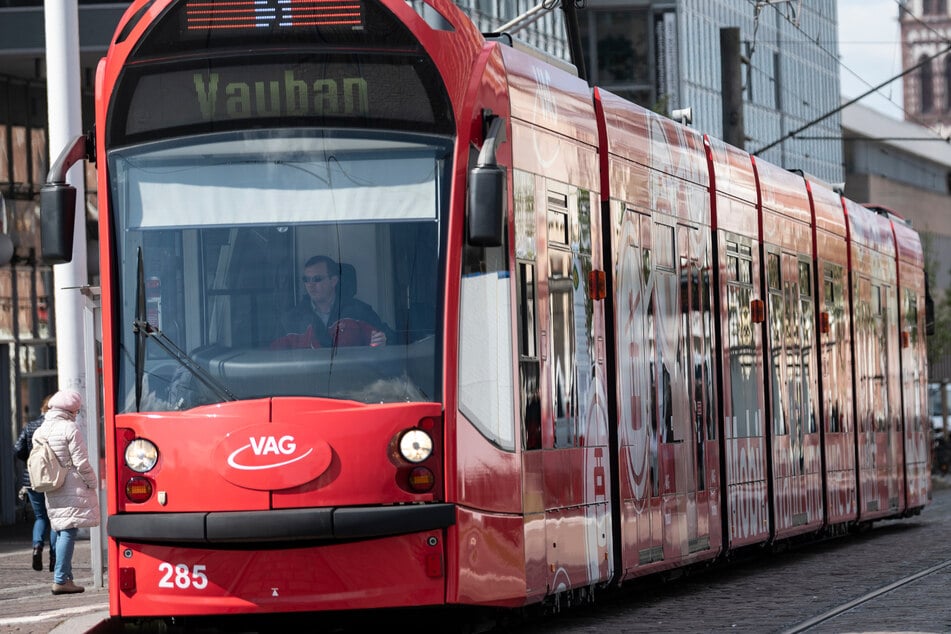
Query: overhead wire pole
x=573, y=33
x=845, y=105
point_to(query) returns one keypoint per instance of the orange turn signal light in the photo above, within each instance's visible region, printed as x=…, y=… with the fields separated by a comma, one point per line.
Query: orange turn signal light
x=138, y=489
x=597, y=285
x=421, y=479
x=757, y=311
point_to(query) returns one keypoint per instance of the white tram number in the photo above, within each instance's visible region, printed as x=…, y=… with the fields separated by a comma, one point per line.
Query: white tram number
x=182, y=577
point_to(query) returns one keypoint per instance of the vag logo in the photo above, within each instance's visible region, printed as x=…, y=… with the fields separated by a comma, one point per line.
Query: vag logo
x=272, y=456
x=267, y=446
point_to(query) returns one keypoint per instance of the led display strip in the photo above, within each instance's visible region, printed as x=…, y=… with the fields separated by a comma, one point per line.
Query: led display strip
x=202, y=15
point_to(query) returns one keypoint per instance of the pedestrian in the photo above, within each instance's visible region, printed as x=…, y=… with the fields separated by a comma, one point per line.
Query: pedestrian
x=41, y=520
x=75, y=504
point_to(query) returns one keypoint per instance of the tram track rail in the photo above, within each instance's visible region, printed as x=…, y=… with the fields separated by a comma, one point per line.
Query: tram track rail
x=837, y=611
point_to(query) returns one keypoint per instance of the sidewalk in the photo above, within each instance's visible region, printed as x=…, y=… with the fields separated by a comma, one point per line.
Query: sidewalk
x=26, y=603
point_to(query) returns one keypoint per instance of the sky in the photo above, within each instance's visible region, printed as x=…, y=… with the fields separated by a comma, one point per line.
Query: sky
x=870, y=52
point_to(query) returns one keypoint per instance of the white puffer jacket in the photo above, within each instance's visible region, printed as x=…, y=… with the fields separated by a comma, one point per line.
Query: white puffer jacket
x=76, y=503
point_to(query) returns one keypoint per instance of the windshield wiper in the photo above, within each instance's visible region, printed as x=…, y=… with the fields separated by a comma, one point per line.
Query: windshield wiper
x=142, y=328
x=140, y=315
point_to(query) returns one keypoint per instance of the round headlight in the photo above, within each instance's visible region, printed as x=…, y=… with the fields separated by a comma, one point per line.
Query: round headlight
x=416, y=445
x=141, y=455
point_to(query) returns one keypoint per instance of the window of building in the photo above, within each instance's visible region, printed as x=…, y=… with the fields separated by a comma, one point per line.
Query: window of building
x=935, y=7
x=616, y=45
x=5, y=177
x=926, y=82
x=947, y=83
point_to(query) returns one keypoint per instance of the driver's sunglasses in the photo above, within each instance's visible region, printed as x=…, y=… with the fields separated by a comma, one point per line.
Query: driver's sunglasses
x=313, y=279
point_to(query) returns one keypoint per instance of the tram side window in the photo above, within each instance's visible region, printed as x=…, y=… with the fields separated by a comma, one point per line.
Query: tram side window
x=777, y=317
x=879, y=334
x=742, y=344
x=864, y=352
x=911, y=316
x=915, y=356
x=828, y=297
x=486, y=376
x=834, y=306
x=807, y=337
x=529, y=370
x=528, y=358
x=563, y=353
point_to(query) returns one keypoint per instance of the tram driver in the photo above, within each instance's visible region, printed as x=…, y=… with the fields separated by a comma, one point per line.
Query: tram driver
x=330, y=315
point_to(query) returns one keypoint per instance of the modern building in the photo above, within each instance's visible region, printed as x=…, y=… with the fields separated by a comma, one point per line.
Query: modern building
x=907, y=168
x=666, y=55
x=926, y=47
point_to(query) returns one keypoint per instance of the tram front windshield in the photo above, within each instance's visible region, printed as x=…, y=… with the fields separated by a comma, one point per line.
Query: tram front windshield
x=215, y=298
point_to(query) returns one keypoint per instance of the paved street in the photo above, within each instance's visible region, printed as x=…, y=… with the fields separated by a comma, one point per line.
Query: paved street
x=778, y=591
x=26, y=603
x=770, y=594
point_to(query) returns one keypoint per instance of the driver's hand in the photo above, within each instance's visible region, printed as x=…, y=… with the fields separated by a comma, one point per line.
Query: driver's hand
x=378, y=338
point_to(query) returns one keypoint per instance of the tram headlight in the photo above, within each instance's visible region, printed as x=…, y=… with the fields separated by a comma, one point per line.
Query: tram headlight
x=416, y=445
x=141, y=455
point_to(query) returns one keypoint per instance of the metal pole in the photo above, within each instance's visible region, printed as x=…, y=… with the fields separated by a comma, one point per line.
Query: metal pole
x=64, y=105
x=97, y=536
x=65, y=123
x=573, y=31
x=732, y=87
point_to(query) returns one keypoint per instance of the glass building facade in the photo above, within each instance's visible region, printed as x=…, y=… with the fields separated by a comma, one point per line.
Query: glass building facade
x=666, y=56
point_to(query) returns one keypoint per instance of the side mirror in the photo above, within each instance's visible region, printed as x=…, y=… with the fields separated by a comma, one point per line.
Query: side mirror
x=486, y=205
x=487, y=191
x=57, y=222
x=58, y=205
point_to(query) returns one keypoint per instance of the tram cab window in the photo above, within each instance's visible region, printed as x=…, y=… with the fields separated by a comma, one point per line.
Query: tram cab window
x=224, y=228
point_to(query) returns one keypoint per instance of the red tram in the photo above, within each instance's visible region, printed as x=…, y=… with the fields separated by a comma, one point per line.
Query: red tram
x=614, y=346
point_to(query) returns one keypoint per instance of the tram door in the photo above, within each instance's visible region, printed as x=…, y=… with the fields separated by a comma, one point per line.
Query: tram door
x=663, y=326
x=573, y=438
x=877, y=409
x=679, y=399
x=641, y=512
x=797, y=486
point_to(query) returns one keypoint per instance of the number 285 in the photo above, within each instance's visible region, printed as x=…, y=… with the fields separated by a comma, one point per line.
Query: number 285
x=180, y=576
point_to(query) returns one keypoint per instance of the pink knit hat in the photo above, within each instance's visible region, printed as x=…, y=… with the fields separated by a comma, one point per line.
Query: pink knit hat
x=66, y=400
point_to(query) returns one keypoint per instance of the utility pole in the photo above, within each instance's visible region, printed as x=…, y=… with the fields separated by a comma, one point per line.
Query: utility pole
x=64, y=105
x=573, y=33
x=65, y=123
x=731, y=84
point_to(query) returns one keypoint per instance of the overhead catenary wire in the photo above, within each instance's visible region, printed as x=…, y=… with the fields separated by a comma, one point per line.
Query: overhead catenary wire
x=908, y=115
x=841, y=107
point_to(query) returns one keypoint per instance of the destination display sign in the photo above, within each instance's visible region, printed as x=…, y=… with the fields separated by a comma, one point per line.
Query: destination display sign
x=204, y=27
x=240, y=15
x=299, y=93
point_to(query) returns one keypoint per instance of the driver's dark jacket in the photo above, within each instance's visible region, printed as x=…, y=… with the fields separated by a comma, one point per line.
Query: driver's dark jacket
x=297, y=320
